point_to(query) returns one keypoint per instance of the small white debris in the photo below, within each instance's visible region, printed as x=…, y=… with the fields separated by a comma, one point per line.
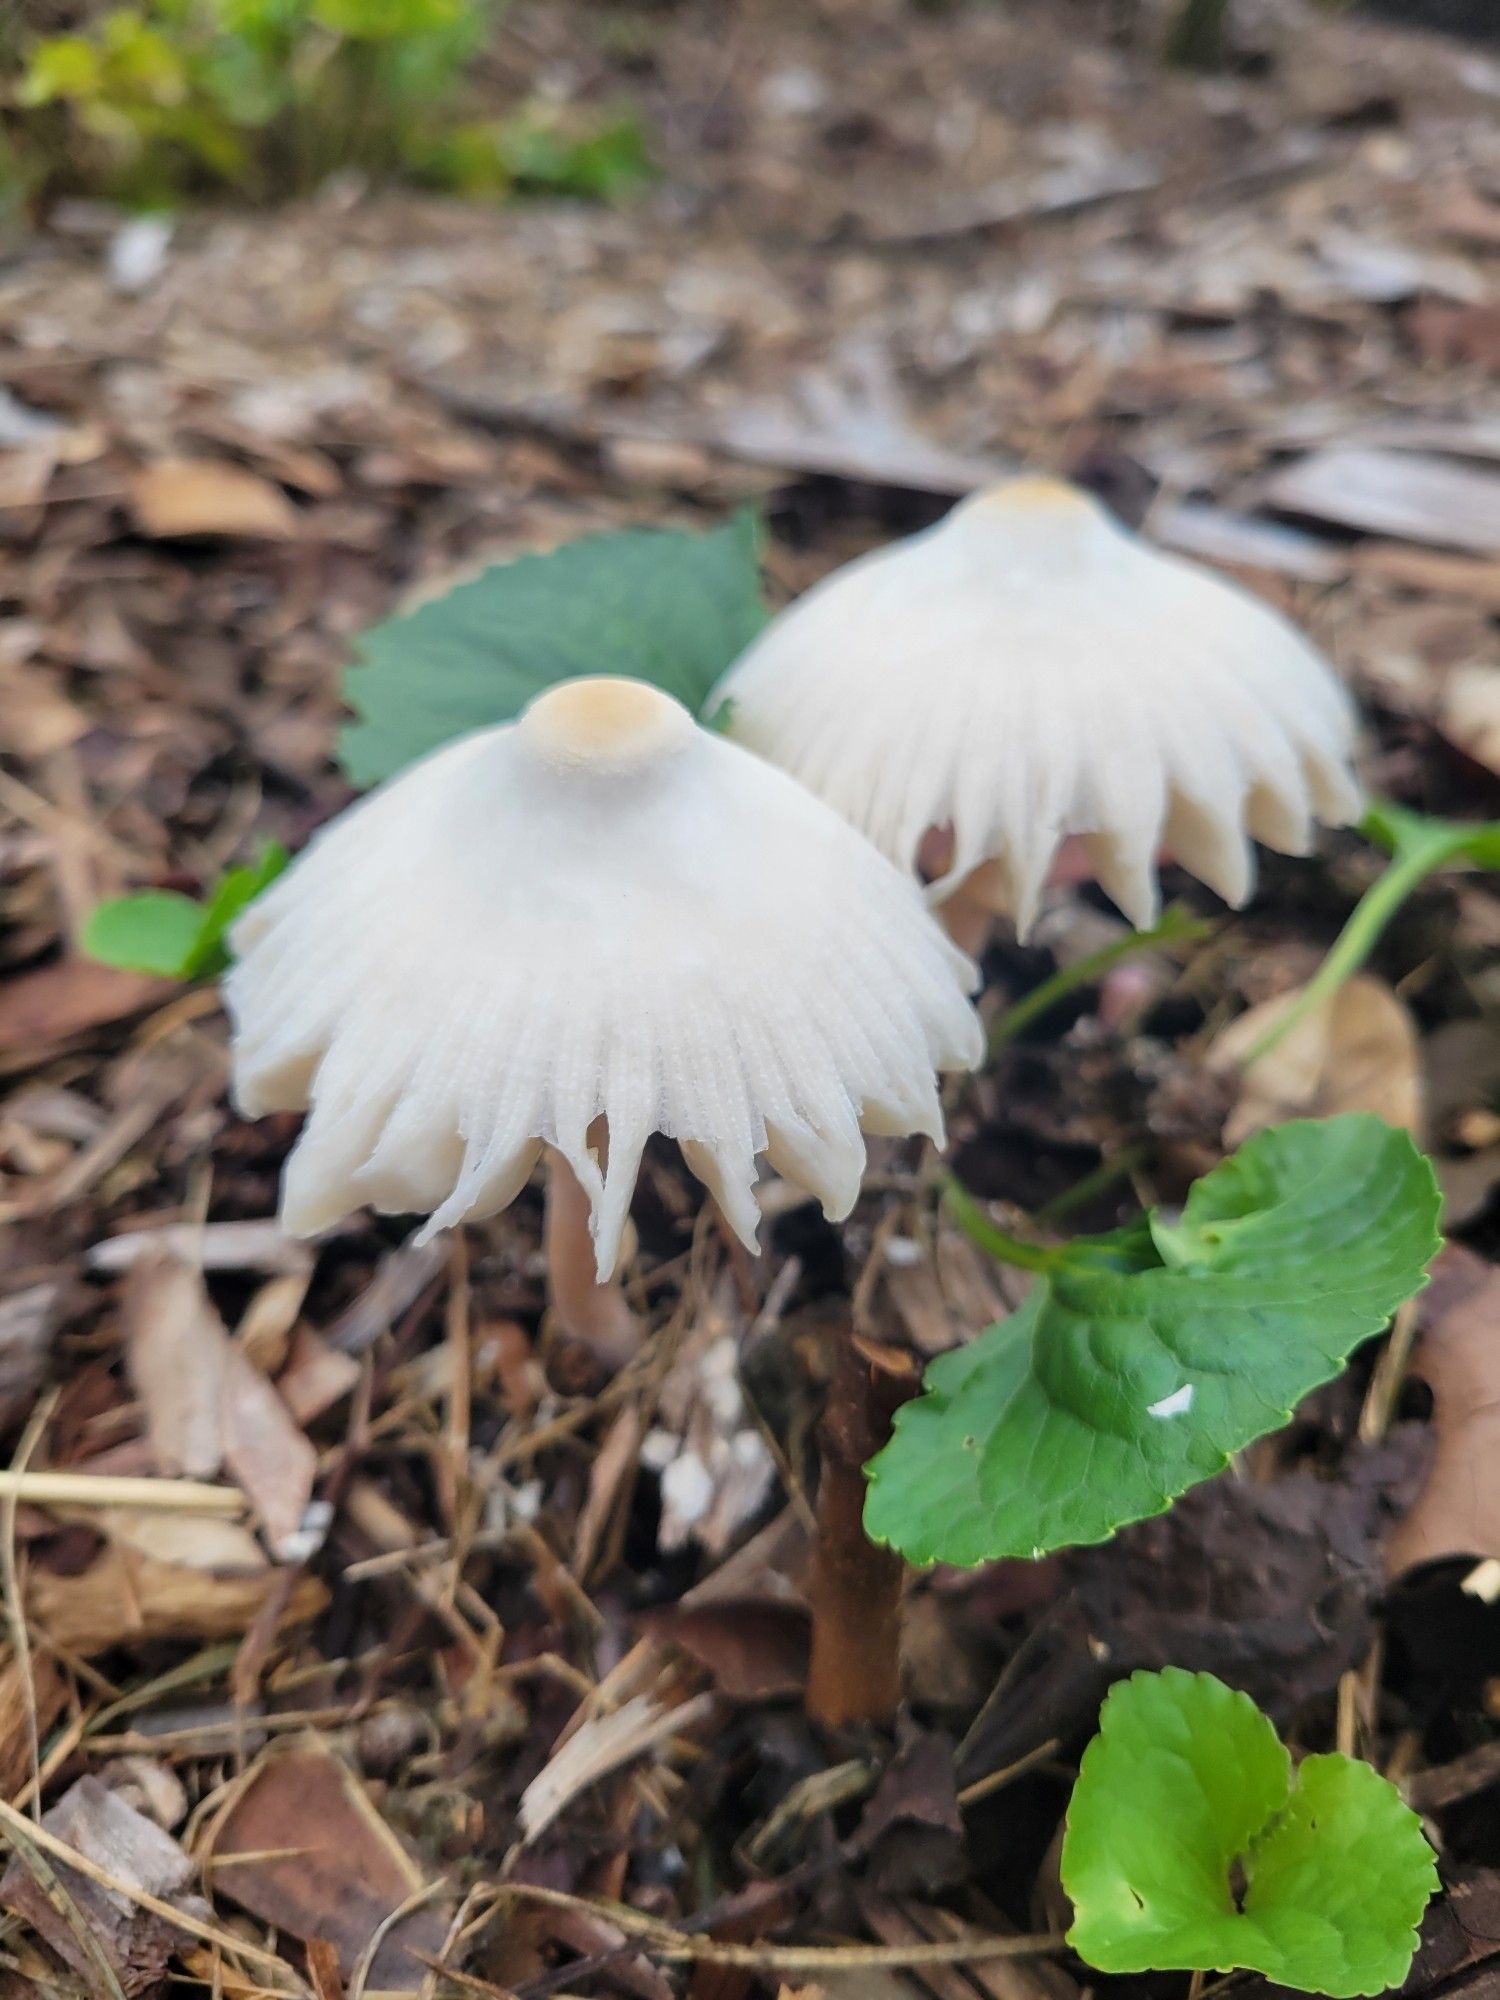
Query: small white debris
x=309, y=1536
x=658, y=1449
x=687, y=1490
x=138, y=252
x=1176, y=1405
x=902, y=1252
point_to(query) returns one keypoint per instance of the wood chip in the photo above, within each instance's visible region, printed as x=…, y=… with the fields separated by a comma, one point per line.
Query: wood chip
x=603, y=1744
x=320, y=1862
x=1407, y=494
x=101, y=1827
x=203, y=496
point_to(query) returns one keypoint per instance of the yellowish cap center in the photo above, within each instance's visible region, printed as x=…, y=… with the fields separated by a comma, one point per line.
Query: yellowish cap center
x=605, y=721
x=1035, y=491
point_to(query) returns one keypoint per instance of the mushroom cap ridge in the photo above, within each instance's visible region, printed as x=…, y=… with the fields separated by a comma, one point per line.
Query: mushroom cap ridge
x=1027, y=670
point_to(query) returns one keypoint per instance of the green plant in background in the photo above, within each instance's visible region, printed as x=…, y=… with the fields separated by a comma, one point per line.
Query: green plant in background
x=1192, y=1844
x=172, y=935
x=540, y=150
x=1143, y=1360
x=160, y=98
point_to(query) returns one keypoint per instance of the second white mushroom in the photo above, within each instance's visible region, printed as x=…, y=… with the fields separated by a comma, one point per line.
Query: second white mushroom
x=1029, y=670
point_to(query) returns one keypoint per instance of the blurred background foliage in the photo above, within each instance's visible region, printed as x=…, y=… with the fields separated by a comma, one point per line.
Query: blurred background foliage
x=154, y=101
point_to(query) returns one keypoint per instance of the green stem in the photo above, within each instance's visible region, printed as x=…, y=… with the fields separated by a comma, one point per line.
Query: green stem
x=979, y=1229
x=1414, y=860
x=1175, y=927
x=1103, y=1176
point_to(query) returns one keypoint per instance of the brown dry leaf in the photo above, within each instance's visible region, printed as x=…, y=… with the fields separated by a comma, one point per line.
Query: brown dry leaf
x=345, y=1875
x=204, y=496
x=35, y=718
x=101, y=1827
x=176, y=1354
x=316, y=1376
x=59, y=1001
x=1457, y=1513
x=1469, y=712
x=173, y=1577
x=268, y=1455
x=1358, y=1051
x=1430, y=570
x=212, y=1246
x=265, y=1328
x=755, y=1648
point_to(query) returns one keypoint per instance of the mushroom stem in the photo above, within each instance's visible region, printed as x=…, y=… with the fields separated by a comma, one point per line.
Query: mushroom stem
x=595, y=1314
x=855, y=1674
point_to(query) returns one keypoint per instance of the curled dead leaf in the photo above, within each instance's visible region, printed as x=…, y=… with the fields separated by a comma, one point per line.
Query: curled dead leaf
x=1457, y=1512
x=268, y=1455
x=1469, y=711
x=1356, y=1051
x=176, y=1351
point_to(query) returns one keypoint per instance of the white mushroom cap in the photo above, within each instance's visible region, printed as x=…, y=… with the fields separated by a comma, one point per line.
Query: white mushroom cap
x=598, y=910
x=1027, y=670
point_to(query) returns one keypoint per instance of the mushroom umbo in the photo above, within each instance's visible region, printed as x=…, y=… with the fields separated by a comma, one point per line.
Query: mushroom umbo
x=566, y=933
x=1029, y=670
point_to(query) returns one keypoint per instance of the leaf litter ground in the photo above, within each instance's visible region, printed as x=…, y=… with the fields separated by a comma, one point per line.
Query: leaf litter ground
x=473, y=1659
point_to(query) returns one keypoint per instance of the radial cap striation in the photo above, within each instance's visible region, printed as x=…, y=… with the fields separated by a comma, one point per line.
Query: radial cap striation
x=598, y=911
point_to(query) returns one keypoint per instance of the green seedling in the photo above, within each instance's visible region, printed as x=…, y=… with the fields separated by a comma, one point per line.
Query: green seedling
x=1144, y=1359
x=1193, y=1844
x=174, y=936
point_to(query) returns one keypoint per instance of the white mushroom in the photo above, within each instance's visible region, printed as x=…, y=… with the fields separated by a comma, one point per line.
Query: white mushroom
x=572, y=931
x=1029, y=670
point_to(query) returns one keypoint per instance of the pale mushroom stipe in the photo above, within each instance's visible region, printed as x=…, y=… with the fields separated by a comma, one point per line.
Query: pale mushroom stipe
x=1029, y=670
x=595, y=923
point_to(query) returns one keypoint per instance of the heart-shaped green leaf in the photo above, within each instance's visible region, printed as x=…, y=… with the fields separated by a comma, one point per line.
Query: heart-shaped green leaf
x=1115, y=1387
x=658, y=605
x=1191, y=1844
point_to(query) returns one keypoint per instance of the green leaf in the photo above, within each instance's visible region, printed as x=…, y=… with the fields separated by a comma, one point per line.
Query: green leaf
x=603, y=161
x=235, y=892
x=1135, y=1369
x=1191, y=1845
x=161, y=932
x=662, y=606
x=153, y=932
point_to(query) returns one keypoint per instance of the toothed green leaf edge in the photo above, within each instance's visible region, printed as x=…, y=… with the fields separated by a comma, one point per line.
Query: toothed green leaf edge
x=1112, y=1390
